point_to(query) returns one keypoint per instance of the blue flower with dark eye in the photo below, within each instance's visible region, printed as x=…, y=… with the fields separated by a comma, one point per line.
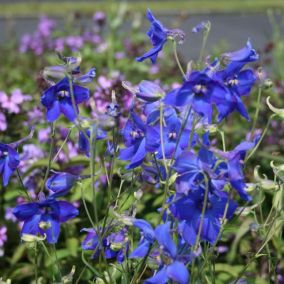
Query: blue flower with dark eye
x=192, y=168
x=115, y=245
x=134, y=140
x=237, y=59
x=44, y=217
x=171, y=268
x=57, y=99
x=235, y=160
x=147, y=238
x=239, y=84
x=9, y=161
x=84, y=143
x=171, y=133
x=200, y=91
x=158, y=35
x=61, y=183
x=188, y=209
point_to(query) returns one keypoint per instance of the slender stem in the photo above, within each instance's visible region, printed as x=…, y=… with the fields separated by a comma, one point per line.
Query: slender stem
x=35, y=264
x=86, y=208
x=256, y=112
x=177, y=59
x=22, y=185
x=63, y=144
x=203, y=46
x=202, y=213
x=52, y=144
x=261, y=138
x=194, y=123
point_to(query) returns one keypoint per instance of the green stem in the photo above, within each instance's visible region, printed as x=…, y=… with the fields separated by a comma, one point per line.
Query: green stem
x=63, y=144
x=52, y=144
x=35, y=264
x=256, y=112
x=177, y=59
x=261, y=138
x=203, y=46
x=202, y=213
x=22, y=185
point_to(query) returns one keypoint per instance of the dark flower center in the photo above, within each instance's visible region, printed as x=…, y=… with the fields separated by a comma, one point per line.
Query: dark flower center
x=200, y=89
x=172, y=136
x=63, y=94
x=136, y=134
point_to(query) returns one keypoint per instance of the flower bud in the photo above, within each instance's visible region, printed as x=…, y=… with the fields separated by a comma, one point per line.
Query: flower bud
x=278, y=111
x=268, y=84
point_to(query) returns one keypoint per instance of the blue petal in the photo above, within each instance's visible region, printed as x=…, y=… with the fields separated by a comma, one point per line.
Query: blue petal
x=139, y=156
x=49, y=97
x=146, y=228
x=178, y=272
x=141, y=250
x=67, y=109
x=81, y=94
x=26, y=211
x=163, y=236
x=53, y=112
x=159, y=278
x=30, y=226
x=60, y=183
x=66, y=211
x=52, y=233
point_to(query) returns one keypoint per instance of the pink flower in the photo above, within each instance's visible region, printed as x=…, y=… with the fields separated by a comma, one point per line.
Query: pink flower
x=3, y=235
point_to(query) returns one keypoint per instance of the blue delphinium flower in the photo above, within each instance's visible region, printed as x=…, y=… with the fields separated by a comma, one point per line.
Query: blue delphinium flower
x=147, y=238
x=44, y=217
x=159, y=36
x=239, y=83
x=243, y=55
x=201, y=27
x=188, y=210
x=9, y=161
x=149, y=91
x=57, y=99
x=60, y=183
x=192, y=168
x=171, y=132
x=172, y=268
x=134, y=140
x=115, y=245
x=235, y=160
x=86, y=78
x=200, y=91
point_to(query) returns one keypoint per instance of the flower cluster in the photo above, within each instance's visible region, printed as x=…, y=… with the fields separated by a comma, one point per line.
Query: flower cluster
x=167, y=144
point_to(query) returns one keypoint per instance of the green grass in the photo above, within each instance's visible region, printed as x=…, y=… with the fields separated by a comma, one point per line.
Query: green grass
x=190, y=6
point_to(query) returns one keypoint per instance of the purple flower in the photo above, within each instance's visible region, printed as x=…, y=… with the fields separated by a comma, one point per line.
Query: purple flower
x=3, y=235
x=3, y=122
x=188, y=209
x=44, y=217
x=171, y=132
x=201, y=92
x=158, y=35
x=61, y=183
x=201, y=27
x=134, y=140
x=9, y=161
x=57, y=99
x=115, y=244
